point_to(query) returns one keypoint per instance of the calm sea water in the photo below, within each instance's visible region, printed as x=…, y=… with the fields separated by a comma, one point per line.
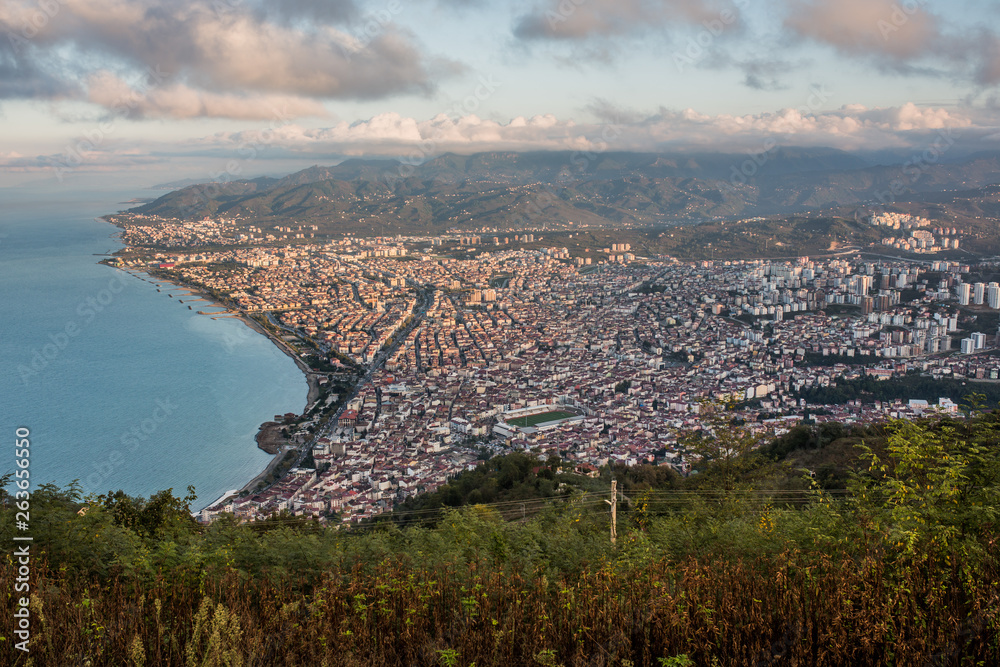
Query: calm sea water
x=121, y=386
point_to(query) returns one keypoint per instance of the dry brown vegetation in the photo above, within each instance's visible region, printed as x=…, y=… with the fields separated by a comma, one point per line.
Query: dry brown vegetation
x=904, y=570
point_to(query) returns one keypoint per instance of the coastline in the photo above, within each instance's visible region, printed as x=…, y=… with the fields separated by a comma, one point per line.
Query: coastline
x=312, y=379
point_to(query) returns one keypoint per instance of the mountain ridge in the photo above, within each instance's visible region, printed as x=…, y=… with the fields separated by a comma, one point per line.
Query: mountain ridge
x=562, y=189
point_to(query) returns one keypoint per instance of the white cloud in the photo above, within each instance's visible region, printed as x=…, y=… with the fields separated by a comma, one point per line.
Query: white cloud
x=849, y=128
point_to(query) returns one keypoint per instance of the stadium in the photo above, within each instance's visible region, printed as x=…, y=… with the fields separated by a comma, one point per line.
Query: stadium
x=537, y=418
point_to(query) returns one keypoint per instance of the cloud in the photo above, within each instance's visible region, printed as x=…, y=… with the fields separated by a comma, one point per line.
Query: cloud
x=852, y=127
x=462, y=4
x=22, y=75
x=582, y=19
x=176, y=100
x=78, y=156
x=906, y=127
x=889, y=28
x=220, y=47
x=760, y=72
x=607, y=112
x=291, y=11
x=898, y=35
x=916, y=38
x=392, y=133
x=765, y=73
x=988, y=69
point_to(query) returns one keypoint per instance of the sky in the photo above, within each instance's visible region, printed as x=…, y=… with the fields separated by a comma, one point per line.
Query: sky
x=148, y=91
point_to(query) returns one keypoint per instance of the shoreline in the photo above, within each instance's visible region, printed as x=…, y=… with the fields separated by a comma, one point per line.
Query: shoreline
x=312, y=378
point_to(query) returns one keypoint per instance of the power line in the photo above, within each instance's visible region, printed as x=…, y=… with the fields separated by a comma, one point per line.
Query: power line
x=587, y=501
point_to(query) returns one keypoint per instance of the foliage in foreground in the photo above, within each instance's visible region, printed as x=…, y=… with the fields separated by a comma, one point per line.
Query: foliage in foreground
x=903, y=571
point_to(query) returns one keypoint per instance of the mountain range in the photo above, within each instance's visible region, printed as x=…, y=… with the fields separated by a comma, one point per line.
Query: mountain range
x=563, y=190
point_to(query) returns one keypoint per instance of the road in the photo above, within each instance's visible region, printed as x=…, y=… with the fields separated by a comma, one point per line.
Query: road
x=319, y=346
x=420, y=310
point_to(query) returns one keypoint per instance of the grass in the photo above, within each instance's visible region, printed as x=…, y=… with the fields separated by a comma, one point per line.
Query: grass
x=541, y=418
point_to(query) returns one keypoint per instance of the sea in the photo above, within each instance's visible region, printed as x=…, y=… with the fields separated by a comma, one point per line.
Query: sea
x=120, y=386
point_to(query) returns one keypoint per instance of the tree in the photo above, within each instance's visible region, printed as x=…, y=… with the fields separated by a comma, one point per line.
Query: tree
x=936, y=487
x=722, y=447
x=162, y=511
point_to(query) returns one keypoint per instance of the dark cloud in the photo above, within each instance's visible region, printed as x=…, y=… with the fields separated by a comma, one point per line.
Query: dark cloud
x=463, y=4
x=606, y=111
x=988, y=70
x=904, y=38
x=760, y=72
x=766, y=74
x=582, y=19
x=218, y=47
x=21, y=76
x=290, y=11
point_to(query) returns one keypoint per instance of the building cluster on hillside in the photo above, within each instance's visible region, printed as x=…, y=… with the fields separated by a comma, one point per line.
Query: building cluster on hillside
x=898, y=220
x=919, y=240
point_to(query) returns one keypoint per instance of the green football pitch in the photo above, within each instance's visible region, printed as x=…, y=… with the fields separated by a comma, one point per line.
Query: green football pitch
x=541, y=418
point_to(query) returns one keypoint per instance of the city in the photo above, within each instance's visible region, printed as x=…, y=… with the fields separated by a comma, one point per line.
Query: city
x=631, y=349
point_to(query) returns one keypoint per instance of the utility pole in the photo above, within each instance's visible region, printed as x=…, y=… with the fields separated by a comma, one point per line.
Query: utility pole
x=614, y=510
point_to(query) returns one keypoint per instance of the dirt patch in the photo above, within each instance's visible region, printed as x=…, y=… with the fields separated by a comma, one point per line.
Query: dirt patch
x=270, y=438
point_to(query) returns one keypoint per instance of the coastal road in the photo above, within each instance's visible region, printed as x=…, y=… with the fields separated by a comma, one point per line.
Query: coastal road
x=424, y=299
x=298, y=334
x=420, y=310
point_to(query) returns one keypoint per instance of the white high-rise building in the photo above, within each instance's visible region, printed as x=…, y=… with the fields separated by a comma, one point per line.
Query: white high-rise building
x=968, y=346
x=979, y=339
x=964, y=293
x=993, y=295
x=978, y=290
